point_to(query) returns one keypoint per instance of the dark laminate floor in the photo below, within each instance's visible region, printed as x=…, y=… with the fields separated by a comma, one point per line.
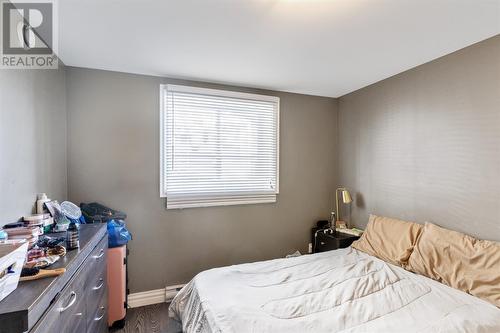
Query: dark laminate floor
x=151, y=318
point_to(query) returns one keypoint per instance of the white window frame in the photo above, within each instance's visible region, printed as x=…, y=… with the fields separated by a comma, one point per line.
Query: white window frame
x=220, y=201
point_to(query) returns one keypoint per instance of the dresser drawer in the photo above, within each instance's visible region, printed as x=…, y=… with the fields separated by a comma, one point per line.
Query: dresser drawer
x=97, y=321
x=68, y=313
x=326, y=243
x=333, y=241
x=96, y=285
x=95, y=274
x=98, y=255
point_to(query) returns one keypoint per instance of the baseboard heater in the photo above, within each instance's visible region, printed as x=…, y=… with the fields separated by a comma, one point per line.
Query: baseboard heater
x=156, y=296
x=171, y=291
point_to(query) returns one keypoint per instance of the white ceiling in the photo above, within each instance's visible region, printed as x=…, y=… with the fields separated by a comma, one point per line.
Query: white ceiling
x=318, y=47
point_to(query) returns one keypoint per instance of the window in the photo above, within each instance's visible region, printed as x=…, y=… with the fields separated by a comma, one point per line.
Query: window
x=218, y=147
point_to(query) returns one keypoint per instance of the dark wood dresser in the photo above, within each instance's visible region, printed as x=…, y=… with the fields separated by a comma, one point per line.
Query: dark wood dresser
x=75, y=302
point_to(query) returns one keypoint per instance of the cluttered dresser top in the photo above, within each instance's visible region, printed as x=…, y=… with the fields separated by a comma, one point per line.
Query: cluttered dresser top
x=27, y=303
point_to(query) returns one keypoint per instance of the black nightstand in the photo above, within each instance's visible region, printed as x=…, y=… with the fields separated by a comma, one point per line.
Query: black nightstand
x=327, y=242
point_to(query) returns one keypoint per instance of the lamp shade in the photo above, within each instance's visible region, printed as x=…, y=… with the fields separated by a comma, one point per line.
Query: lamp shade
x=346, y=196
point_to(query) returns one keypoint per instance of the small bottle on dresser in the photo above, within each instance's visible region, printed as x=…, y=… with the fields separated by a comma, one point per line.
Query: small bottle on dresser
x=72, y=237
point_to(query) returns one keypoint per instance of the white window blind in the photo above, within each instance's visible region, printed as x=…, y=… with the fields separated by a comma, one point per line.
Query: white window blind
x=218, y=147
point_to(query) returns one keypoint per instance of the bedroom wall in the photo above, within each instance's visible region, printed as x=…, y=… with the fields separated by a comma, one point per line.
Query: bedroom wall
x=32, y=139
x=113, y=158
x=425, y=145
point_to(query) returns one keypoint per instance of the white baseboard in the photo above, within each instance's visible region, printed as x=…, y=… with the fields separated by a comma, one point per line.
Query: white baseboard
x=153, y=296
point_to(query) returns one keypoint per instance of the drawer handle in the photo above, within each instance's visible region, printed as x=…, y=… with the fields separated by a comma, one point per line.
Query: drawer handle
x=322, y=243
x=71, y=302
x=100, y=285
x=101, y=253
x=101, y=316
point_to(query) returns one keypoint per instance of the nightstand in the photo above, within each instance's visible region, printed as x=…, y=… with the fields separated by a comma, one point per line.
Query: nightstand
x=327, y=242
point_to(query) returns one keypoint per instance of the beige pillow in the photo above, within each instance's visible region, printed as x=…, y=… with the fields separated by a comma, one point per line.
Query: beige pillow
x=458, y=260
x=389, y=239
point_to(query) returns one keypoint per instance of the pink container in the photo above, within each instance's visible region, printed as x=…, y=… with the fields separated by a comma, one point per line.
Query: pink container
x=117, y=285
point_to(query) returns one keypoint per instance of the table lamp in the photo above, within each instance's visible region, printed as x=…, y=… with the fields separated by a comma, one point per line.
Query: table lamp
x=346, y=199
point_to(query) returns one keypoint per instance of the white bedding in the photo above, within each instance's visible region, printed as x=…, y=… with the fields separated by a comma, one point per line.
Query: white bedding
x=336, y=291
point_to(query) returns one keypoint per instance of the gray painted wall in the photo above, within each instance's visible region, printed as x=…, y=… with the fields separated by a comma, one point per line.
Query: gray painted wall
x=425, y=145
x=32, y=139
x=113, y=158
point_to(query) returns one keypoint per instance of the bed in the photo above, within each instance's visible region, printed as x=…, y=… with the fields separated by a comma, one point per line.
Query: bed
x=345, y=290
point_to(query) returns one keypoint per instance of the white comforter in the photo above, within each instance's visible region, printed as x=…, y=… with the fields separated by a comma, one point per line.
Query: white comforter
x=336, y=291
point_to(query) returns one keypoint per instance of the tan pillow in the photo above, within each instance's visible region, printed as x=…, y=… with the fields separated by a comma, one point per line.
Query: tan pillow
x=389, y=239
x=458, y=260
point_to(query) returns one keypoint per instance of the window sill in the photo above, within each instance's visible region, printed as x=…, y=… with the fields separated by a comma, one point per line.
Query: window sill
x=181, y=203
